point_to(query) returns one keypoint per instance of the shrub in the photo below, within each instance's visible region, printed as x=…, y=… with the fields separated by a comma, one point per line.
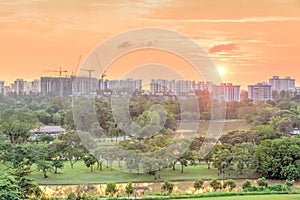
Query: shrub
x=246, y=184
x=262, y=182
x=111, y=189
x=215, y=184
x=71, y=196
x=289, y=183
x=230, y=184
x=277, y=188
x=253, y=188
x=168, y=187
x=129, y=189
x=198, y=184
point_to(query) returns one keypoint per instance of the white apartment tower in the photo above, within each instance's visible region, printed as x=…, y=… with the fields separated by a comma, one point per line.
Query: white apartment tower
x=279, y=84
x=260, y=92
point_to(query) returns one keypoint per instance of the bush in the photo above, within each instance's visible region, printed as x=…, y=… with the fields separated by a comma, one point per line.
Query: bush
x=215, y=184
x=71, y=196
x=129, y=189
x=277, y=188
x=111, y=189
x=262, y=182
x=168, y=187
x=198, y=184
x=230, y=184
x=253, y=188
x=246, y=184
x=289, y=183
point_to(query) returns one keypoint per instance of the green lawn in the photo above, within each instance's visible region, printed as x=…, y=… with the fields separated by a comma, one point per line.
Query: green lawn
x=82, y=175
x=254, y=197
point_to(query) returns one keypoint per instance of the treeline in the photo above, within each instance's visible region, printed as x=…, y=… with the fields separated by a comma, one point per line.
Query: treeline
x=267, y=148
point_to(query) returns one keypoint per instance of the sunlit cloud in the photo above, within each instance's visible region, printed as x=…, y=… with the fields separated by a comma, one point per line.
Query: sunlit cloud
x=223, y=47
x=241, y=20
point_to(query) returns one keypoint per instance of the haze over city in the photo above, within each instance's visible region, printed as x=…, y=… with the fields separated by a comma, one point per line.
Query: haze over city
x=248, y=42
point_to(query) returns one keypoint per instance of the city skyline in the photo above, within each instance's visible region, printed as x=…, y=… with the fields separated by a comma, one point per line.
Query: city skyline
x=248, y=42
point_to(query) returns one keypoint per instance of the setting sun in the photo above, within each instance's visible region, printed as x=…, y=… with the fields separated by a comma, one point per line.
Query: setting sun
x=221, y=70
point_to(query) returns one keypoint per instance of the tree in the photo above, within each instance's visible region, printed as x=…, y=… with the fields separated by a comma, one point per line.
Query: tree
x=57, y=164
x=185, y=158
x=167, y=187
x=223, y=158
x=89, y=161
x=151, y=166
x=279, y=158
x=132, y=163
x=230, y=184
x=15, y=124
x=73, y=148
x=198, y=184
x=9, y=188
x=262, y=182
x=129, y=189
x=44, y=166
x=215, y=184
x=242, y=158
x=111, y=189
x=28, y=188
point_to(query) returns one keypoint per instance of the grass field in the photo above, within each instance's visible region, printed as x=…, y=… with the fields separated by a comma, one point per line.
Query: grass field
x=82, y=175
x=254, y=197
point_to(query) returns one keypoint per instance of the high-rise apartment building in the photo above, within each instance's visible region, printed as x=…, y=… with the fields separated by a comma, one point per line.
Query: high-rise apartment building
x=260, y=92
x=224, y=92
x=128, y=85
x=279, y=84
x=33, y=87
x=84, y=85
x=2, y=87
x=19, y=86
x=57, y=86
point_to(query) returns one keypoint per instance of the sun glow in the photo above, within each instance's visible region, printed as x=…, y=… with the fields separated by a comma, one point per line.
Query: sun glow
x=221, y=70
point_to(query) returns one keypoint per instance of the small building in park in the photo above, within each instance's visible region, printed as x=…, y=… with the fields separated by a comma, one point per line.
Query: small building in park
x=49, y=130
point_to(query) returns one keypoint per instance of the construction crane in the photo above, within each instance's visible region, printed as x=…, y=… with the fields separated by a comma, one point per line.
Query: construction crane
x=60, y=71
x=77, y=66
x=102, y=75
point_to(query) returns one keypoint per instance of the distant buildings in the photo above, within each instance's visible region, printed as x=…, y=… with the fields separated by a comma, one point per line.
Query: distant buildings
x=19, y=86
x=2, y=87
x=224, y=92
x=84, y=85
x=280, y=84
x=91, y=86
x=57, y=86
x=260, y=92
x=128, y=85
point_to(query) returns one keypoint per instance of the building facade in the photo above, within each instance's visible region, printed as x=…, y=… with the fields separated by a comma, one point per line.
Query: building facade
x=260, y=92
x=2, y=85
x=19, y=87
x=279, y=84
x=57, y=86
x=224, y=92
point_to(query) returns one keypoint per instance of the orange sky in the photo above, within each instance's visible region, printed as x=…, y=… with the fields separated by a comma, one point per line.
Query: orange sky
x=251, y=40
